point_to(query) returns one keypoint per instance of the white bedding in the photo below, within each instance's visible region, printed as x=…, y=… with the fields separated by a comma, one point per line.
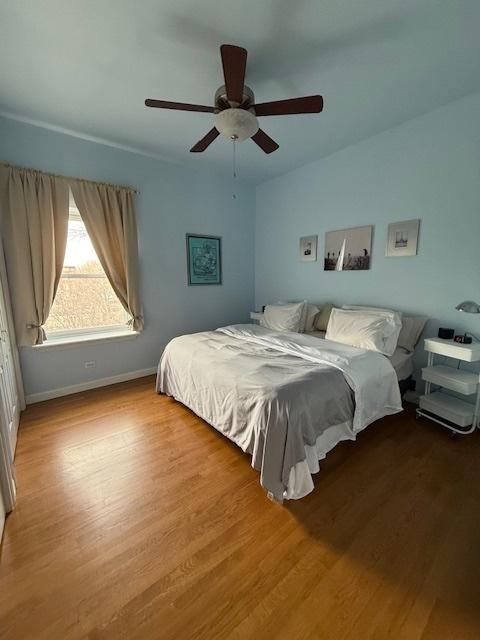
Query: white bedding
x=300, y=482
x=279, y=396
x=402, y=360
x=372, y=381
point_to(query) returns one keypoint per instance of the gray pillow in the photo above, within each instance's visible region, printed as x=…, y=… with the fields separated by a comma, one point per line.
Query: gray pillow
x=322, y=317
x=412, y=327
x=310, y=315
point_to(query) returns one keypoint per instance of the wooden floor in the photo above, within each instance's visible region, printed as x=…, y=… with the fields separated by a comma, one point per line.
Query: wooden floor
x=136, y=520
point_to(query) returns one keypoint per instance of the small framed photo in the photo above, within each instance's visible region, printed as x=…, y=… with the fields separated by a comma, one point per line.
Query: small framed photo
x=402, y=238
x=204, y=259
x=308, y=248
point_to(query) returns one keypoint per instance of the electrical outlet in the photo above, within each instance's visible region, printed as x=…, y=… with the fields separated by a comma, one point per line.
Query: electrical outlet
x=90, y=364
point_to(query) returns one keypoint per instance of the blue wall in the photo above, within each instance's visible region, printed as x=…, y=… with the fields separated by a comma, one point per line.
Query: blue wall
x=427, y=168
x=172, y=202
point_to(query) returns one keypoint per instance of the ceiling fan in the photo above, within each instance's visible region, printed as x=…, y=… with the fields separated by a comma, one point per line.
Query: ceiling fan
x=235, y=109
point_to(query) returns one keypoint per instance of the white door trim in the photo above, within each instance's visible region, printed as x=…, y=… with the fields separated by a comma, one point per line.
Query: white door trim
x=7, y=478
x=11, y=329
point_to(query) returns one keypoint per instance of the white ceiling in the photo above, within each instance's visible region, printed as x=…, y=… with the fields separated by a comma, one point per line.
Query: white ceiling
x=88, y=65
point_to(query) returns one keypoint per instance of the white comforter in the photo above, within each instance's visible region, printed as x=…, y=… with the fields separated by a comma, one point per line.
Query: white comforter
x=275, y=394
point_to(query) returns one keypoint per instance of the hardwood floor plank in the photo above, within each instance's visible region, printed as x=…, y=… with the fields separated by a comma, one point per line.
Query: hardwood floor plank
x=137, y=520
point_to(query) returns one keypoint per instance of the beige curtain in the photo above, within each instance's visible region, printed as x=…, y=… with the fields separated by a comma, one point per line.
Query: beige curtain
x=109, y=217
x=35, y=224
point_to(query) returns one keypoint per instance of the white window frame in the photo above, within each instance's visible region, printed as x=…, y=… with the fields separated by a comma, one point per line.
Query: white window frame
x=64, y=336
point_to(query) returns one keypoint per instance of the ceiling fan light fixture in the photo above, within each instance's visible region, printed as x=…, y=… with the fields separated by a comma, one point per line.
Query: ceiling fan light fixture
x=468, y=306
x=236, y=124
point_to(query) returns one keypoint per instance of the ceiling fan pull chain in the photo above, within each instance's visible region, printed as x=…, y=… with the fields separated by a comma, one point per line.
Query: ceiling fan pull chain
x=234, y=168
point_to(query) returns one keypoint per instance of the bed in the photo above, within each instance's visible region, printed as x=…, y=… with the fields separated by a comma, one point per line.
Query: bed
x=285, y=398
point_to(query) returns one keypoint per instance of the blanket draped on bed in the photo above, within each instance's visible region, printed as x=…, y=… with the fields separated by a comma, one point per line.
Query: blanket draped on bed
x=273, y=393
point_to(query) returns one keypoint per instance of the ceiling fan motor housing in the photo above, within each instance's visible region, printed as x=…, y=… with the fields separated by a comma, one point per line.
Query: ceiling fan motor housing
x=221, y=101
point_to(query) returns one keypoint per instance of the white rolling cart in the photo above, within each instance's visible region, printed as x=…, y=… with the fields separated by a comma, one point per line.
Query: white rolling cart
x=451, y=412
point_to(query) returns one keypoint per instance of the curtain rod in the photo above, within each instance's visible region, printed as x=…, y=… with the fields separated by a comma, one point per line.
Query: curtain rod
x=56, y=175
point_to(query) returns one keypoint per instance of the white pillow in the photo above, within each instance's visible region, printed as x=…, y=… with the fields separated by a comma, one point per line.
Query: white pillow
x=412, y=327
x=303, y=321
x=395, y=319
x=284, y=317
x=357, y=307
x=375, y=331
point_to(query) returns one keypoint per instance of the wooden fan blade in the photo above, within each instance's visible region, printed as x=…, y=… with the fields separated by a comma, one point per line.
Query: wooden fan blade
x=264, y=142
x=206, y=141
x=180, y=106
x=234, y=62
x=308, y=104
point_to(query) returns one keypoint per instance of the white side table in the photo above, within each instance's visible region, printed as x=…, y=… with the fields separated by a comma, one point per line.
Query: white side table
x=451, y=412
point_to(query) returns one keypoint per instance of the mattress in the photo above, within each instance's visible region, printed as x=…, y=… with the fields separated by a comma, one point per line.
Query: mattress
x=401, y=359
x=402, y=362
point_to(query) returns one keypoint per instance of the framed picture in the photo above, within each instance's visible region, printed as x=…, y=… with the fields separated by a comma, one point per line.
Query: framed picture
x=348, y=249
x=204, y=259
x=308, y=248
x=402, y=238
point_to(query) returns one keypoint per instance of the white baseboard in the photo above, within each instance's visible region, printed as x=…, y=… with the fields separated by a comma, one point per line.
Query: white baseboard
x=91, y=384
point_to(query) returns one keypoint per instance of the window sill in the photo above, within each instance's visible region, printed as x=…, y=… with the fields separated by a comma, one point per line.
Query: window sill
x=87, y=338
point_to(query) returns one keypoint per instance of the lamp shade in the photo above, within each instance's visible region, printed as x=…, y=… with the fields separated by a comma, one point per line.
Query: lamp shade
x=468, y=306
x=236, y=124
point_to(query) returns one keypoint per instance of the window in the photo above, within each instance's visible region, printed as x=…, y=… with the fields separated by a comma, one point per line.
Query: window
x=85, y=301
